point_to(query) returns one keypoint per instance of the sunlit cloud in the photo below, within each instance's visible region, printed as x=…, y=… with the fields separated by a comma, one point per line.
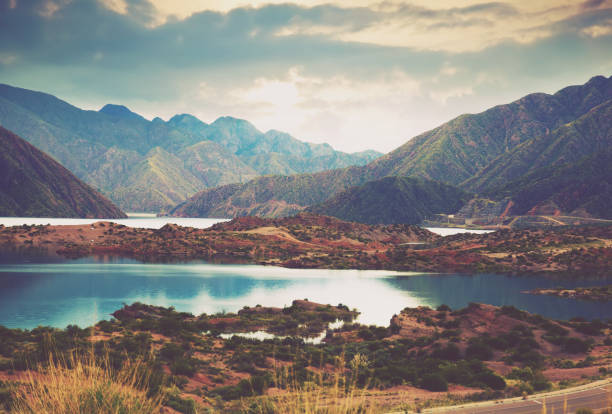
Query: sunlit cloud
x=356, y=74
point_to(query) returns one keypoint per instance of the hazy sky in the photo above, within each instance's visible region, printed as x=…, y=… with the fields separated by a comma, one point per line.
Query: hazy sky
x=357, y=74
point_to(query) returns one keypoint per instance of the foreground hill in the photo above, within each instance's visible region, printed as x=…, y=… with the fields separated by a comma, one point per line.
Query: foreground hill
x=32, y=184
x=197, y=363
x=577, y=117
x=109, y=149
x=393, y=200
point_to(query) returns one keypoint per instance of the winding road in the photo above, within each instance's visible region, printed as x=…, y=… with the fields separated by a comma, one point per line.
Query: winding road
x=596, y=396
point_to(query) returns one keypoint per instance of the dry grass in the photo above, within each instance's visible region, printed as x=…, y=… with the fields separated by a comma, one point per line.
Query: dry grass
x=342, y=396
x=84, y=385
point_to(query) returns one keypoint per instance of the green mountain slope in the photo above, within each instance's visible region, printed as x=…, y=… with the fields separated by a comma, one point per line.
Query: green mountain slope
x=159, y=181
x=451, y=153
x=393, y=200
x=270, y=153
x=273, y=196
x=32, y=184
x=589, y=134
x=582, y=188
x=459, y=149
x=215, y=165
x=108, y=148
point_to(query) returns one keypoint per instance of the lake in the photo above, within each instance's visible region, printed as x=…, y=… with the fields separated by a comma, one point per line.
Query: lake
x=150, y=221
x=38, y=292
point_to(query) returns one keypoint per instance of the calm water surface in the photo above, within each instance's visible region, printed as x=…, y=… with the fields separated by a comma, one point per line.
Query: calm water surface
x=138, y=220
x=150, y=221
x=84, y=291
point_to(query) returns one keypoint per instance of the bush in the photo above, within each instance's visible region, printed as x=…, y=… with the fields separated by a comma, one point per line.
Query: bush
x=450, y=353
x=524, y=374
x=185, y=406
x=183, y=367
x=171, y=351
x=575, y=346
x=434, y=382
x=540, y=383
x=491, y=380
x=479, y=350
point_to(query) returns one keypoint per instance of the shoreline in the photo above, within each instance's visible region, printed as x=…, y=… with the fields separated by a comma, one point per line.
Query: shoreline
x=318, y=242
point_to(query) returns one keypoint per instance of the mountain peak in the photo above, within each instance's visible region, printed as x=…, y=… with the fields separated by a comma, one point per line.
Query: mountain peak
x=185, y=119
x=119, y=111
x=230, y=120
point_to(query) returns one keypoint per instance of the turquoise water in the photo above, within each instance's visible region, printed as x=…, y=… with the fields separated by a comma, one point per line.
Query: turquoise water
x=84, y=291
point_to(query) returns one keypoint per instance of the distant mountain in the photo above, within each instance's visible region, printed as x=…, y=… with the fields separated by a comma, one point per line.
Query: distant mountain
x=393, y=200
x=32, y=184
x=270, y=196
x=112, y=149
x=269, y=153
x=465, y=147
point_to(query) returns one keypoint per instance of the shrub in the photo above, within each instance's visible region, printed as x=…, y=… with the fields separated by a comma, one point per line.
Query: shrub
x=491, y=380
x=540, y=383
x=479, y=350
x=450, y=353
x=524, y=374
x=184, y=366
x=171, y=351
x=575, y=346
x=434, y=382
x=185, y=406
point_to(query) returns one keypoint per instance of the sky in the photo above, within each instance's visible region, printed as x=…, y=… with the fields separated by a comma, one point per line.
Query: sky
x=357, y=74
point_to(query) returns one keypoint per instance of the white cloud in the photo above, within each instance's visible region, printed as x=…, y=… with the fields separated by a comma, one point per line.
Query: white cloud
x=445, y=25
x=118, y=6
x=598, y=30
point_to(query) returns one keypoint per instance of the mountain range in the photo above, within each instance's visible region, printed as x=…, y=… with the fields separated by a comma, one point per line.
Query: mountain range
x=150, y=166
x=32, y=184
x=485, y=153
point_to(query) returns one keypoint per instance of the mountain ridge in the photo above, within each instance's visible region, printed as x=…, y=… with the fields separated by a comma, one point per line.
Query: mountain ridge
x=32, y=184
x=95, y=144
x=451, y=153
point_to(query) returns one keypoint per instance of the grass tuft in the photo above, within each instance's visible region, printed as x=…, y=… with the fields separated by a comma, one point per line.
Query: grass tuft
x=82, y=384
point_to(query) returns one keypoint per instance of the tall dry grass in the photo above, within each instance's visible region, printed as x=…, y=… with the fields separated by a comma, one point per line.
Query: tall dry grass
x=83, y=384
x=331, y=393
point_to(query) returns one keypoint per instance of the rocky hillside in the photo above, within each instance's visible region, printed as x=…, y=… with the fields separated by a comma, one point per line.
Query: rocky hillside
x=393, y=200
x=461, y=148
x=576, y=189
x=109, y=149
x=586, y=136
x=32, y=184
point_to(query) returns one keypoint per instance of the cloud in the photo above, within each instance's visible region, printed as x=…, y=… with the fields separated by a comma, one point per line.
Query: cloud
x=356, y=74
x=592, y=4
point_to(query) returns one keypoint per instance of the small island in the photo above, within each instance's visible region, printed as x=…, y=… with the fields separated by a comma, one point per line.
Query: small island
x=600, y=293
